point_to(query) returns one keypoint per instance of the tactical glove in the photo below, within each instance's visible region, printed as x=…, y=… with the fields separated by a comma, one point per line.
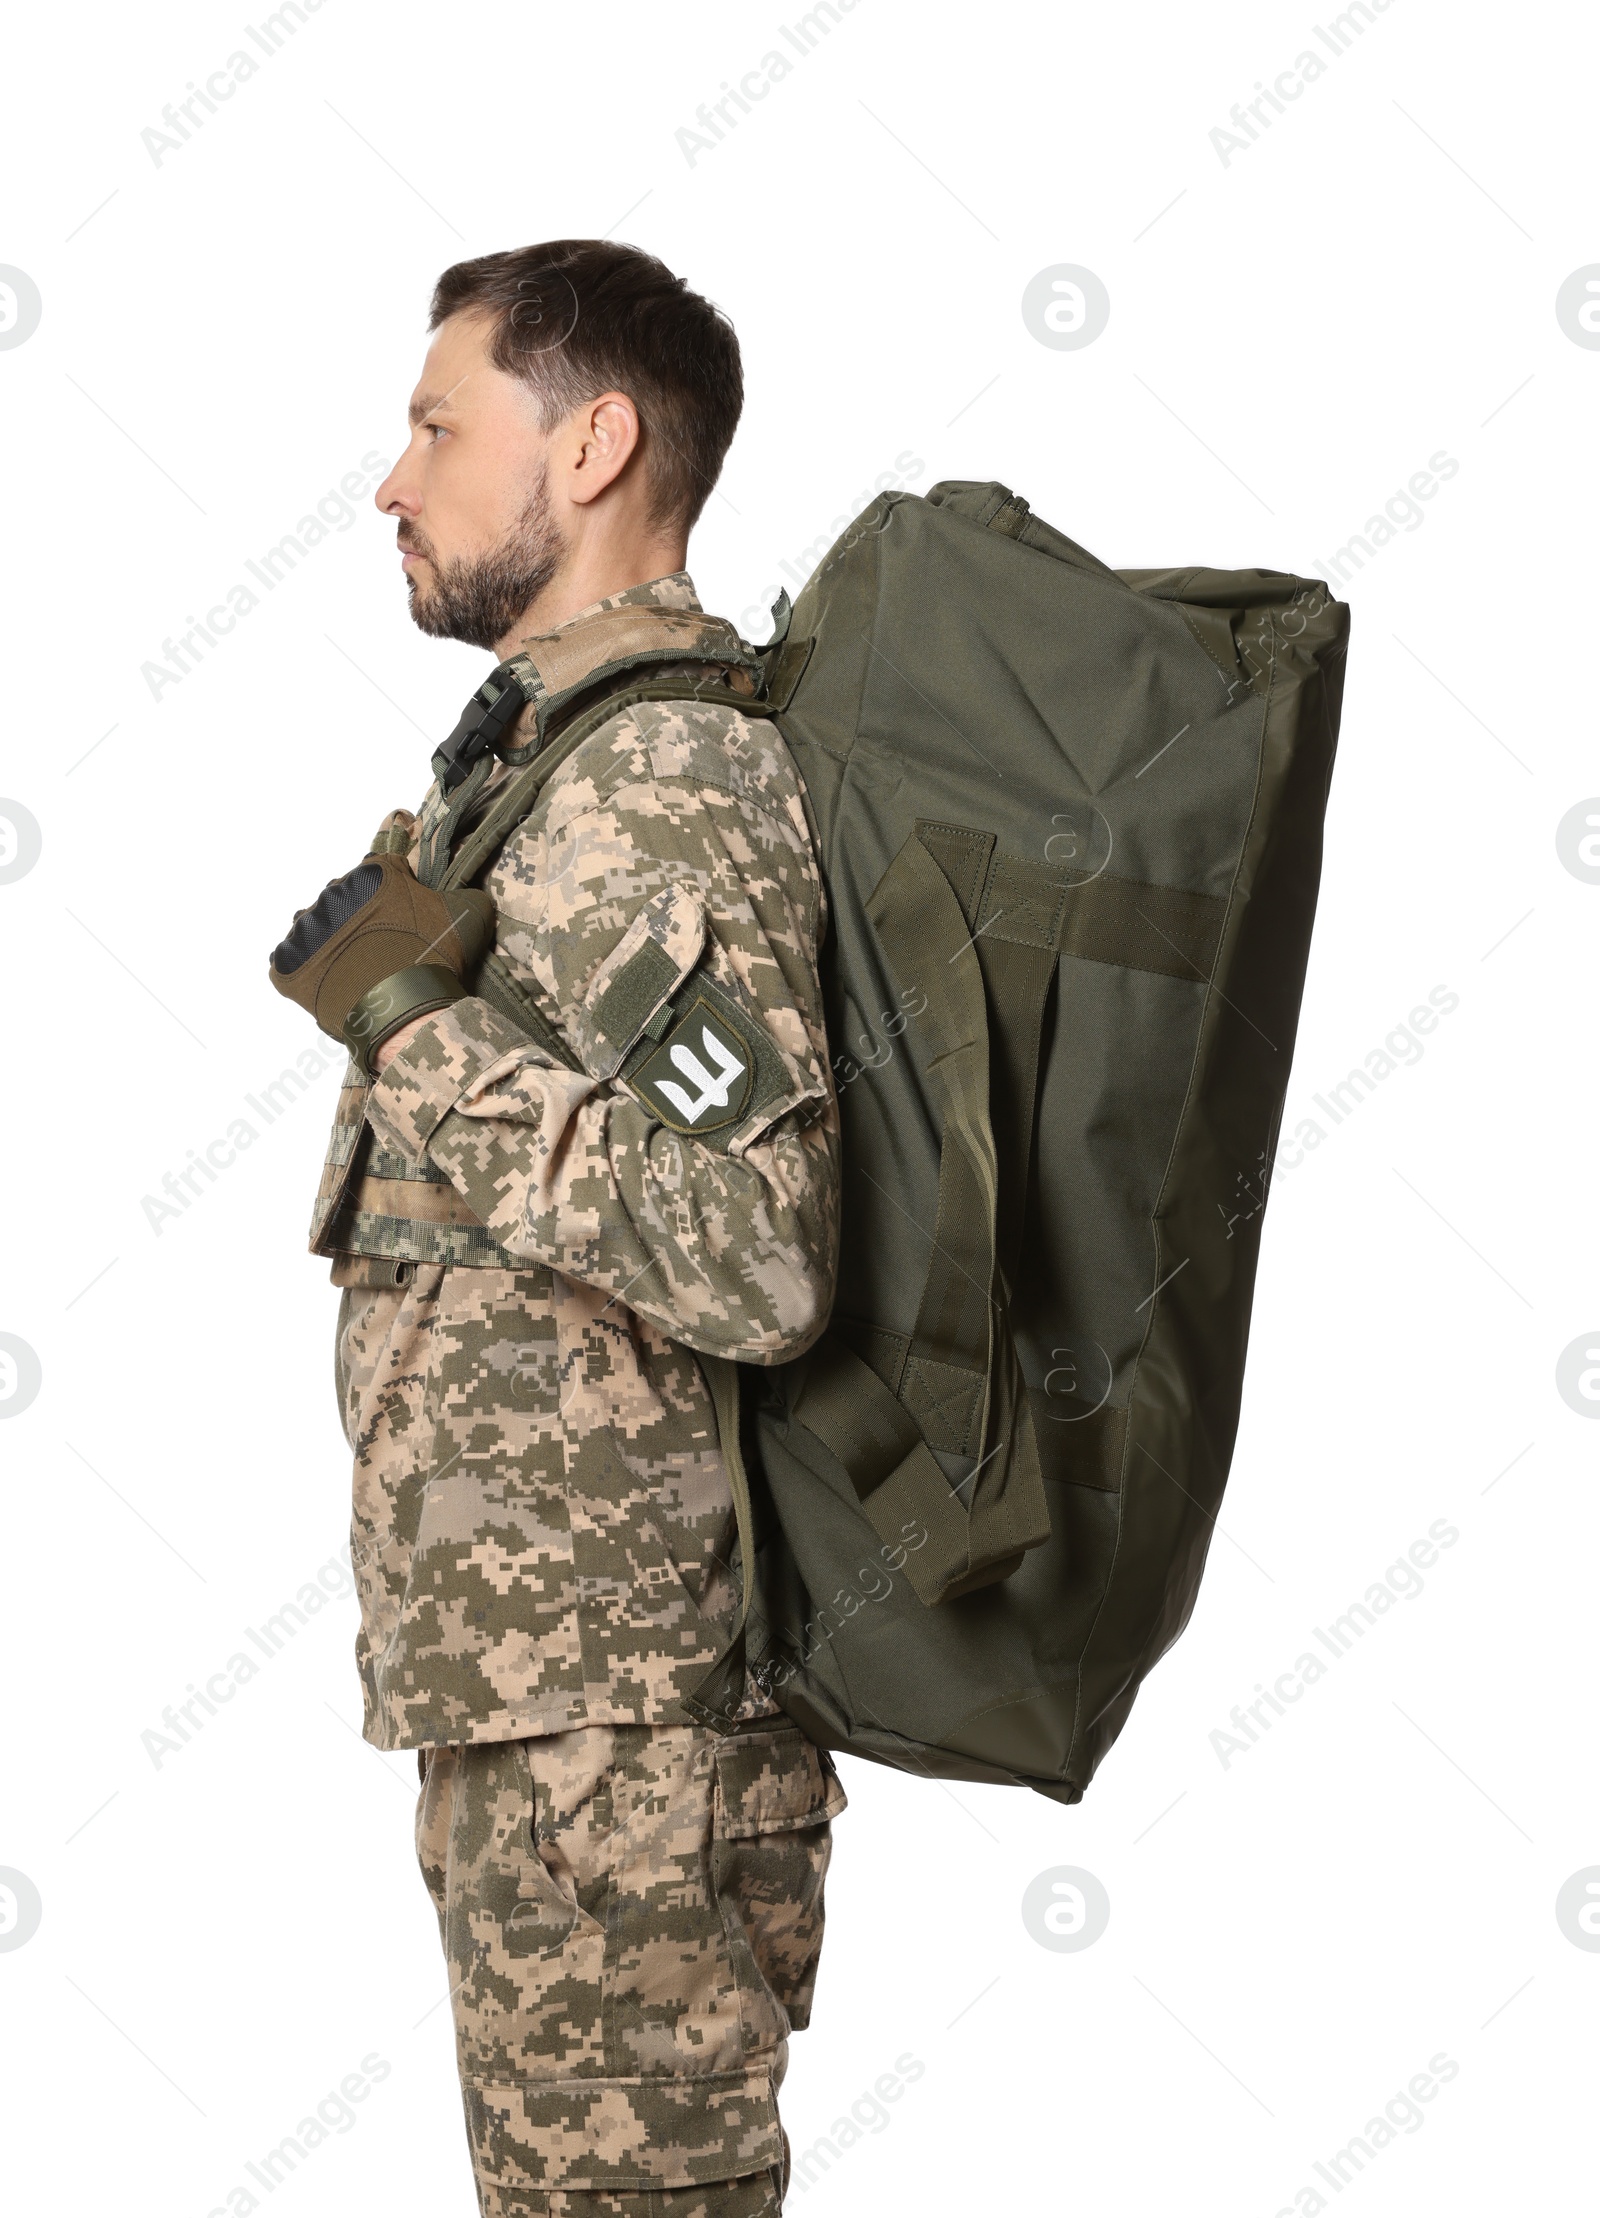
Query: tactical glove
x=377, y=948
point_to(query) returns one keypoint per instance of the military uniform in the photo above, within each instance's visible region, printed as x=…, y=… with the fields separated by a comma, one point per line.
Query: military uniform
x=531, y=1255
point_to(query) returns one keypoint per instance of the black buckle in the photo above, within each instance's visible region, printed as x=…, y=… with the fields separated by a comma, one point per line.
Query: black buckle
x=484, y=722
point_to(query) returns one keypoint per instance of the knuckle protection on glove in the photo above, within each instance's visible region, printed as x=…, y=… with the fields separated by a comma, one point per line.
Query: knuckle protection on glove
x=335, y=905
x=378, y=927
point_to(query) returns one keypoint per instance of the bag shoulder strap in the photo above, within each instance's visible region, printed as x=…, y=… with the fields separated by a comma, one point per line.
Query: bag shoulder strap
x=519, y=796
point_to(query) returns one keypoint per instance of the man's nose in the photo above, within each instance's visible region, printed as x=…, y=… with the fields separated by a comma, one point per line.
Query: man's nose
x=396, y=496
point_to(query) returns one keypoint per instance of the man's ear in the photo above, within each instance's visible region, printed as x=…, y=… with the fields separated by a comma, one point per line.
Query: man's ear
x=606, y=434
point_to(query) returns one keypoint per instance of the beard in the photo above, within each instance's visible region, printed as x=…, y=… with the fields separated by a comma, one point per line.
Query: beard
x=479, y=598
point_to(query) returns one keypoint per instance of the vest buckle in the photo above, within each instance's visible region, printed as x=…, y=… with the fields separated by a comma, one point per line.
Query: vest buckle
x=485, y=720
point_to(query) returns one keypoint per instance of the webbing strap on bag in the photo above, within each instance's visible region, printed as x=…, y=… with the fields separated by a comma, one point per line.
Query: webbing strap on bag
x=948, y=1548
x=958, y=1388
x=1022, y=915
x=1015, y=933
x=945, y=1378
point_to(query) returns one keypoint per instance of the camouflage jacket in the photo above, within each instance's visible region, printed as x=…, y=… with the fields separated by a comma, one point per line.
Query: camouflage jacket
x=530, y=1253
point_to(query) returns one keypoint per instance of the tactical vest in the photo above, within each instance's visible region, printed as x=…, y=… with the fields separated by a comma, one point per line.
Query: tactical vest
x=378, y=1214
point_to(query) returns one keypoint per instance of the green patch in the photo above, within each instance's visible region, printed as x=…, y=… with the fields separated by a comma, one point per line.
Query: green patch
x=701, y=1076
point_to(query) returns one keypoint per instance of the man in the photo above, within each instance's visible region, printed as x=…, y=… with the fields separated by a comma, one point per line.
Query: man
x=541, y=1218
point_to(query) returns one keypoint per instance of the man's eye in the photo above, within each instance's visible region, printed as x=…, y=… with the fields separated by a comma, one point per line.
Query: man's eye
x=439, y=431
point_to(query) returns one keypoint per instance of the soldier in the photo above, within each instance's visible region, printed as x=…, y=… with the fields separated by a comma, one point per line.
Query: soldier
x=544, y=1204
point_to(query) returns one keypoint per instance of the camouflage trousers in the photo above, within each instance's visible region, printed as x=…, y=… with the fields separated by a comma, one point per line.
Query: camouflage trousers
x=632, y=1917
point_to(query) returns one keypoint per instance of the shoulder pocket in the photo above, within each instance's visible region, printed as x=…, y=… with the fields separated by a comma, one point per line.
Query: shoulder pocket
x=650, y=961
x=666, y=1015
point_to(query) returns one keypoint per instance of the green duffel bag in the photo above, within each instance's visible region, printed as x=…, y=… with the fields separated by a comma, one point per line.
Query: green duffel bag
x=1070, y=823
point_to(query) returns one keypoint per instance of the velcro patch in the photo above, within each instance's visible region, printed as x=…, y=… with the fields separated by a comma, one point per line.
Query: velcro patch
x=701, y=1076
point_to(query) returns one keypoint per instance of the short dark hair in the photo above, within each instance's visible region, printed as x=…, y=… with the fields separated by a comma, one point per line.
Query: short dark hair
x=574, y=317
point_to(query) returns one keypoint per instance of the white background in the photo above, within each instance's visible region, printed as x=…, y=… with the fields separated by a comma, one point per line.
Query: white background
x=1293, y=333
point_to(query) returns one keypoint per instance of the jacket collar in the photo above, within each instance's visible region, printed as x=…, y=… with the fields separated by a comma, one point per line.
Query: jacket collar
x=655, y=626
x=676, y=591
x=656, y=620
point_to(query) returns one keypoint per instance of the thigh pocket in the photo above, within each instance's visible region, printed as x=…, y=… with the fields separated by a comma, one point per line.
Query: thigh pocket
x=519, y=1943
x=769, y=1857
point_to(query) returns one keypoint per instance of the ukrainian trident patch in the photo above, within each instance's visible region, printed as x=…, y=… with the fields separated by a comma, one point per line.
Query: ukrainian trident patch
x=699, y=1078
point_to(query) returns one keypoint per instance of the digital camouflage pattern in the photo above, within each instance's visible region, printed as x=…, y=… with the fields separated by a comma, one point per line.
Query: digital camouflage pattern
x=541, y=1519
x=631, y=1919
x=542, y=1523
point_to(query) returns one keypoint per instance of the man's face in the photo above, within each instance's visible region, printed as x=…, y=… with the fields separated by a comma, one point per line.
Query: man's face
x=470, y=494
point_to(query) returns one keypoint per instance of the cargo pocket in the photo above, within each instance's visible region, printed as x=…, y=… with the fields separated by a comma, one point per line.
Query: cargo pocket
x=514, y=1931
x=770, y=1844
